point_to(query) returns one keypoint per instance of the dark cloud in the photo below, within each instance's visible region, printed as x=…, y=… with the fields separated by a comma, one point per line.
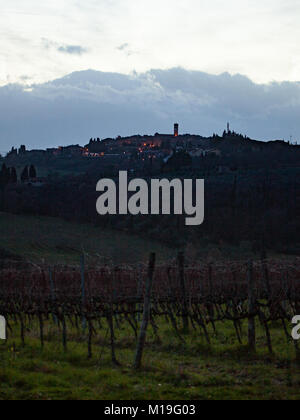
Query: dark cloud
x=123, y=47
x=72, y=49
x=91, y=103
x=66, y=49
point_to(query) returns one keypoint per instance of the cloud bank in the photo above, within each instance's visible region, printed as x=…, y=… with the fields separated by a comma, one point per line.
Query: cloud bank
x=99, y=104
x=257, y=38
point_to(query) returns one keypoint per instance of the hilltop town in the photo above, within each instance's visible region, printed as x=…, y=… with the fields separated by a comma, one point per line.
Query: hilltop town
x=157, y=146
x=159, y=152
x=239, y=173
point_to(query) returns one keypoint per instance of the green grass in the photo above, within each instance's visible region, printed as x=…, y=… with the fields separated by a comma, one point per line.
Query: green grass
x=171, y=369
x=52, y=240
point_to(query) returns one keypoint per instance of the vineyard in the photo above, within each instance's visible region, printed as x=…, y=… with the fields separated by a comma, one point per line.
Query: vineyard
x=187, y=297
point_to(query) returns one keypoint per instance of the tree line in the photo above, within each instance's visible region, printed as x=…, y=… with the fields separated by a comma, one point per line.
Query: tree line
x=9, y=175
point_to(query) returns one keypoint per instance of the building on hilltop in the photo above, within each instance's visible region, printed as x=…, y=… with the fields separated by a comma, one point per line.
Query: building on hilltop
x=176, y=130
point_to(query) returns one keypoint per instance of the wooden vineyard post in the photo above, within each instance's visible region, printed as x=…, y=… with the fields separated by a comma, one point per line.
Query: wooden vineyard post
x=139, y=291
x=185, y=317
x=210, y=304
x=41, y=322
x=251, y=309
x=64, y=332
x=210, y=282
x=146, y=313
x=111, y=320
x=90, y=351
x=22, y=330
x=266, y=279
x=267, y=286
x=52, y=295
x=82, y=268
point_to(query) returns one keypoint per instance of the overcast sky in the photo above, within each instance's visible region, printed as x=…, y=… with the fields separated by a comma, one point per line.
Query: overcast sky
x=41, y=40
x=236, y=60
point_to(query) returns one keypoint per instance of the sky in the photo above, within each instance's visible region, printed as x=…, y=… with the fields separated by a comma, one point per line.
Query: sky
x=41, y=41
x=251, y=40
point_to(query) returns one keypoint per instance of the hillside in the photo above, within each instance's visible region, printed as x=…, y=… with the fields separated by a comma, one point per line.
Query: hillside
x=53, y=240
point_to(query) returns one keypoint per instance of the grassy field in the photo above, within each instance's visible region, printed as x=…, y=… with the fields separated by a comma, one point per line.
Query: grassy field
x=52, y=240
x=55, y=241
x=171, y=369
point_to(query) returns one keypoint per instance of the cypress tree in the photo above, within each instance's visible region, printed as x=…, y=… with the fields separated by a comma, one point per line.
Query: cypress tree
x=13, y=175
x=4, y=175
x=25, y=174
x=32, y=172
